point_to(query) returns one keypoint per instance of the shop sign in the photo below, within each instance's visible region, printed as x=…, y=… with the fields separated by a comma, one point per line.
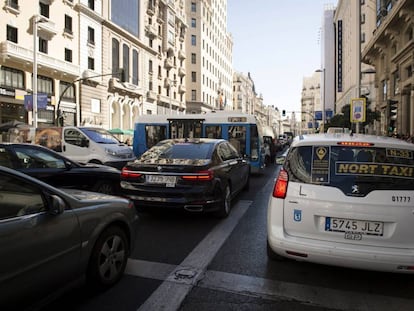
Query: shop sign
x=41, y=101
x=6, y=92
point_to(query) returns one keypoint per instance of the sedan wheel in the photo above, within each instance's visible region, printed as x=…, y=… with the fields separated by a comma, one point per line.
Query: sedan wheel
x=104, y=186
x=108, y=259
x=225, y=204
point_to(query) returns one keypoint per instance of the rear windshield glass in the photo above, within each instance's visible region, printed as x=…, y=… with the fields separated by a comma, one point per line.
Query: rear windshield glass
x=179, y=151
x=355, y=170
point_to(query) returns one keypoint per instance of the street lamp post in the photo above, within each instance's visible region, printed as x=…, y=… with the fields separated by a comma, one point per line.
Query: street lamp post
x=34, y=95
x=36, y=19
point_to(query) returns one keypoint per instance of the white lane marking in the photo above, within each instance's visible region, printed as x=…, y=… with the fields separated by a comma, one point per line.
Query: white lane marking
x=266, y=289
x=171, y=293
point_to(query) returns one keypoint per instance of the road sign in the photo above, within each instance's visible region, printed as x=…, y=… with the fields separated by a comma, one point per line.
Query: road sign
x=358, y=110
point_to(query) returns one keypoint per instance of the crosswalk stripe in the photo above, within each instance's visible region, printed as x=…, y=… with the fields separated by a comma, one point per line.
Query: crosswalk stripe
x=172, y=292
x=263, y=288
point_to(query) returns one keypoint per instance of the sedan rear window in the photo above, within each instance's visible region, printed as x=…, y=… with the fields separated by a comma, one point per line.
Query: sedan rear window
x=179, y=151
x=369, y=168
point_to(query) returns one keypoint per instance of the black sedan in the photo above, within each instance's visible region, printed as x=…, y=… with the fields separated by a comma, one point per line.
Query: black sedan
x=57, y=170
x=197, y=175
x=51, y=239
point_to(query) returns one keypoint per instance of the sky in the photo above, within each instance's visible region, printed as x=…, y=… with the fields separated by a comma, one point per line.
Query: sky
x=278, y=42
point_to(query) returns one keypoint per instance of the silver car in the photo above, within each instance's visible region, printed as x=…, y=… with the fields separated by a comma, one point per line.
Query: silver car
x=50, y=237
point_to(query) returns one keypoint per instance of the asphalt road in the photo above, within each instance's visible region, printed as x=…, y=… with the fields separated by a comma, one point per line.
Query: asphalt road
x=196, y=262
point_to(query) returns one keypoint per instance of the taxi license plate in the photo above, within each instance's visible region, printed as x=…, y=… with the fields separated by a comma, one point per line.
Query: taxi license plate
x=352, y=225
x=160, y=179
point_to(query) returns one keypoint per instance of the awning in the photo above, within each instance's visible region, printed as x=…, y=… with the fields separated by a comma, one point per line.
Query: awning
x=119, y=131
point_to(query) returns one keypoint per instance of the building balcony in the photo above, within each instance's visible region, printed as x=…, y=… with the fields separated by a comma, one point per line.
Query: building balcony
x=181, y=89
x=181, y=71
x=10, y=50
x=181, y=54
x=46, y=28
x=167, y=82
x=150, y=11
x=151, y=31
x=152, y=95
x=168, y=64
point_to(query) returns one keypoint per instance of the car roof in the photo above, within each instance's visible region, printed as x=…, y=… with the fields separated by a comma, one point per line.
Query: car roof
x=31, y=145
x=27, y=177
x=194, y=140
x=334, y=138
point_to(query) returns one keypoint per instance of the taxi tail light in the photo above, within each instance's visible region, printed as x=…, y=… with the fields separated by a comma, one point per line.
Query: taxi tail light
x=199, y=176
x=125, y=173
x=280, y=187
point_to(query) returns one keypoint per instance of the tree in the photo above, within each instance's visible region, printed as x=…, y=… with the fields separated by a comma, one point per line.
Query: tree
x=343, y=119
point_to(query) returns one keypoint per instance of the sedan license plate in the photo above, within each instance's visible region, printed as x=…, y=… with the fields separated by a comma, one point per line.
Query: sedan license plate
x=355, y=226
x=161, y=179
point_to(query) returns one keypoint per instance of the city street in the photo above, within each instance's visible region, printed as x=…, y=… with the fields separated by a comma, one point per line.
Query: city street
x=195, y=262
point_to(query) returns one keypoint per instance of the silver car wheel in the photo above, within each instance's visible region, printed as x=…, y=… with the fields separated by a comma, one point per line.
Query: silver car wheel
x=112, y=257
x=108, y=258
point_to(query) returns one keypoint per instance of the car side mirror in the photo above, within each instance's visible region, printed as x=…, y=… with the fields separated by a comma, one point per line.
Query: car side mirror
x=57, y=205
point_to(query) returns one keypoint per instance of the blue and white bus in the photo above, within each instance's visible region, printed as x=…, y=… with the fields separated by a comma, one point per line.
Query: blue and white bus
x=241, y=130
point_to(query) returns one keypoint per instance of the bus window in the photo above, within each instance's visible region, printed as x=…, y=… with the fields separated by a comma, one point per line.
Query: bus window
x=185, y=128
x=254, y=142
x=237, y=137
x=213, y=131
x=154, y=134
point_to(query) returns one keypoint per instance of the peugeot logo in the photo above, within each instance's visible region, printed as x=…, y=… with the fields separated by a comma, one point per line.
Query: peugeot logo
x=355, y=189
x=159, y=168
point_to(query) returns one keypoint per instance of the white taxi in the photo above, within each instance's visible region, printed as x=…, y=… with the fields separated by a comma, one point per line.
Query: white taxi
x=345, y=200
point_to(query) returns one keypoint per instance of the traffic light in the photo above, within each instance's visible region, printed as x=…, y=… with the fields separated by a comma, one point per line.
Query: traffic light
x=392, y=114
x=283, y=113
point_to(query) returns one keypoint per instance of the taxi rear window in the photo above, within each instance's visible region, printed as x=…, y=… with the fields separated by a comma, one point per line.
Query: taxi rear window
x=369, y=168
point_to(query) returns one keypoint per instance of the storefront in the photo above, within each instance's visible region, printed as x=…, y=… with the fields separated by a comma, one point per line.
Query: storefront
x=10, y=107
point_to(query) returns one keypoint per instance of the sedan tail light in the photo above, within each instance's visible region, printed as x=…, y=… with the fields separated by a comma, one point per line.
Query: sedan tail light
x=199, y=176
x=125, y=173
x=280, y=188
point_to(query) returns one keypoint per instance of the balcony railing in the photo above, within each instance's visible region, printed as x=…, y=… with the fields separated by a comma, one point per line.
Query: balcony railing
x=10, y=49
